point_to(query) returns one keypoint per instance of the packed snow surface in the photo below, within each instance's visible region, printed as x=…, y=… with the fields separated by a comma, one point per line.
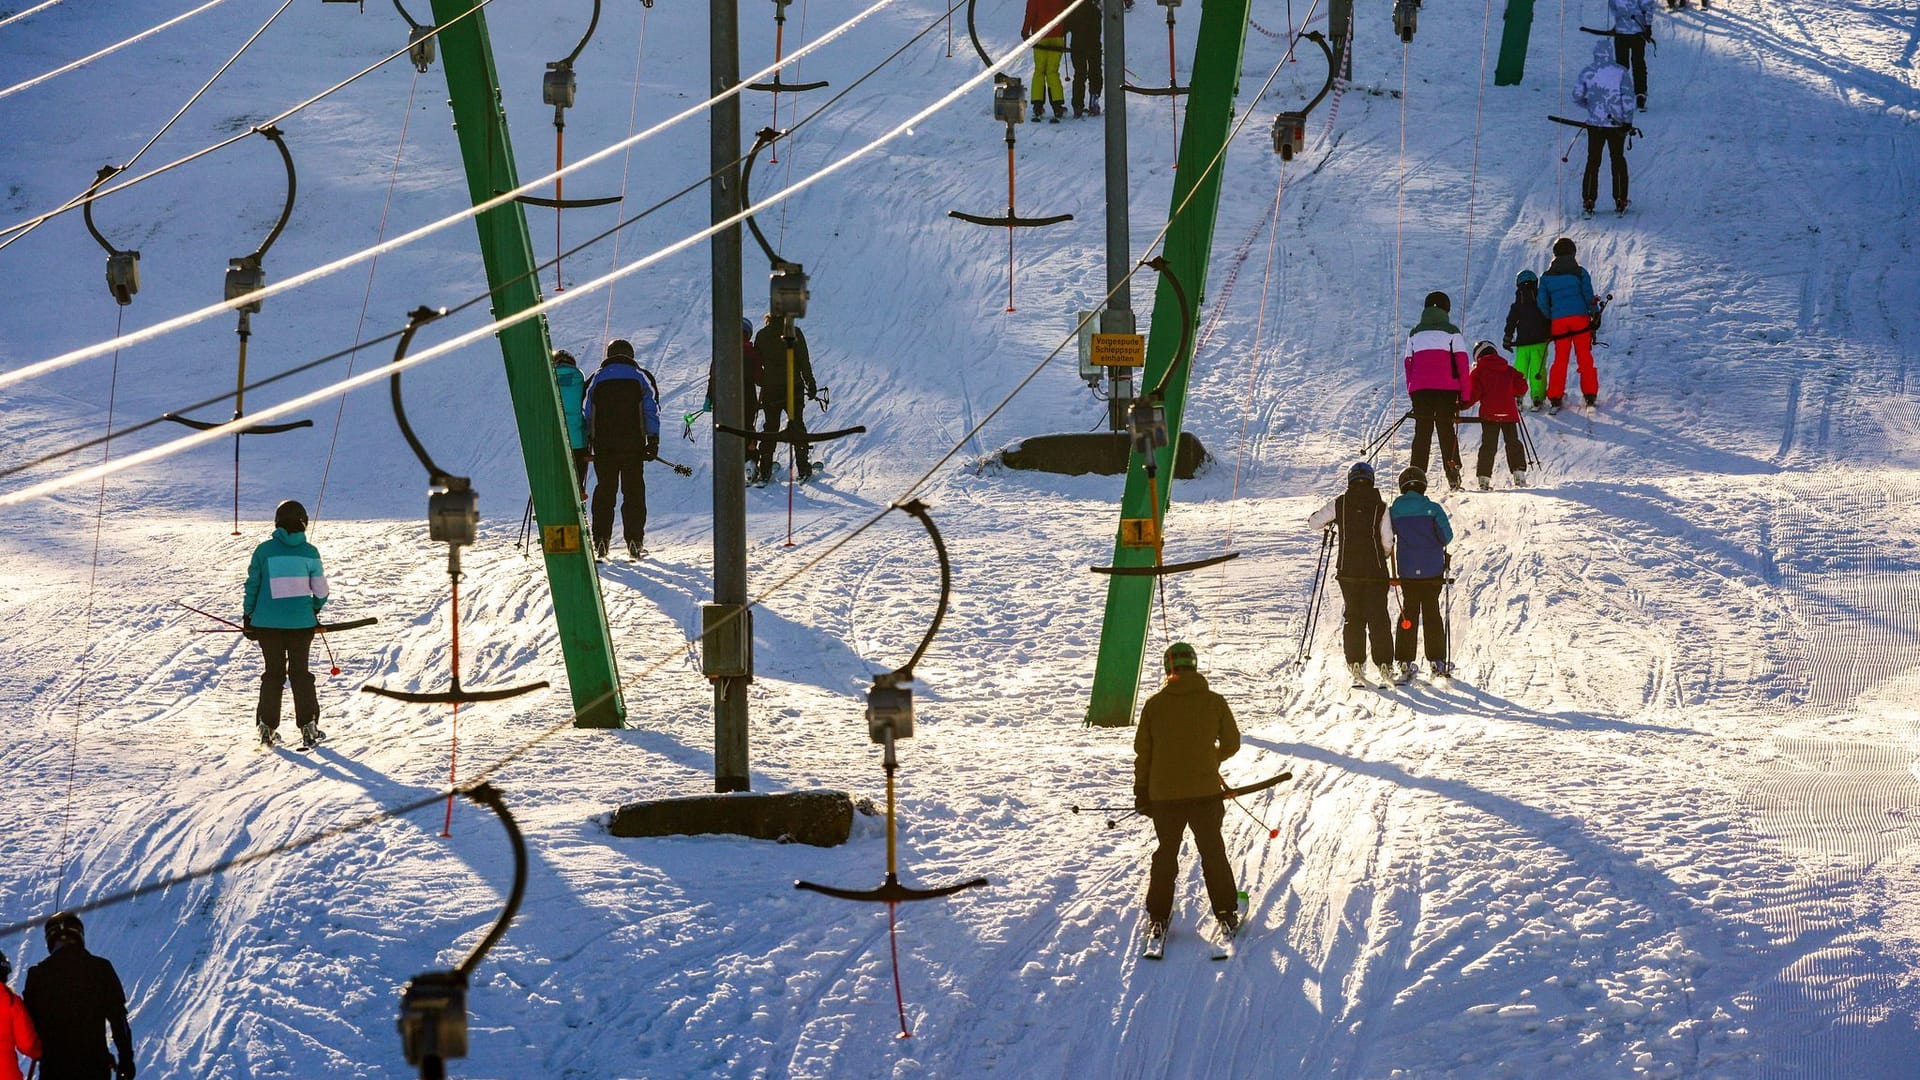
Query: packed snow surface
x=1663, y=824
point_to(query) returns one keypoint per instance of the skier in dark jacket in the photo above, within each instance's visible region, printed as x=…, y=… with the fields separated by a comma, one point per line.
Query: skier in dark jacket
x=1528, y=333
x=1421, y=534
x=623, y=428
x=1359, y=516
x=786, y=380
x=1083, y=45
x=1186, y=730
x=749, y=384
x=286, y=588
x=75, y=999
x=1567, y=300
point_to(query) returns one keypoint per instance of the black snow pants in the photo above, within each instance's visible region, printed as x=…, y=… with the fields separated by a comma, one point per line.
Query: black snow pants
x=1366, y=618
x=773, y=406
x=286, y=653
x=1613, y=141
x=1630, y=51
x=1437, y=411
x=1491, y=432
x=619, y=477
x=1420, y=601
x=1171, y=820
x=1086, y=75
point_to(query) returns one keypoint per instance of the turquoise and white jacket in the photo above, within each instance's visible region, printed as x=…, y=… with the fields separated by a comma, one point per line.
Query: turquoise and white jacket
x=286, y=586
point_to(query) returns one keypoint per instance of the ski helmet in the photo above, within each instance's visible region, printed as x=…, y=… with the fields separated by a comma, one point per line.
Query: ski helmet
x=65, y=927
x=747, y=325
x=1603, y=52
x=1483, y=347
x=1563, y=246
x=562, y=356
x=1180, y=657
x=619, y=347
x=1527, y=277
x=1439, y=300
x=1412, y=479
x=1361, y=473
x=290, y=516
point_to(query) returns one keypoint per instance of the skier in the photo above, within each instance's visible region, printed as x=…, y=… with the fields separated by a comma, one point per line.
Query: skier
x=1436, y=368
x=786, y=376
x=286, y=588
x=1185, y=732
x=1083, y=44
x=1604, y=89
x=75, y=998
x=573, y=396
x=1632, y=31
x=749, y=384
x=17, y=1036
x=622, y=414
x=1359, y=516
x=1528, y=332
x=1421, y=534
x=1498, y=390
x=1567, y=300
x=1046, y=56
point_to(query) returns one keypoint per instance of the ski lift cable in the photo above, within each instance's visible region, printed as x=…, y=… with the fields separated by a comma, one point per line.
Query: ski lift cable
x=11, y=231
x=366, y=296
x=166, y=326
x=513, y=756
x=626, y=162
x=488, y=295
x=182, y=111
x=198, y=438
x=1473, y=181
x=86, y=629
x=34, y=10
x=109, y=50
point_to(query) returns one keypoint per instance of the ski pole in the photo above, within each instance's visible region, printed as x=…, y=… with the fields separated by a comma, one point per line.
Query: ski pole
x=333, y=666
x=1315, y=593
x=1373, y=447
x=1526, y=441
x=526, y=526
x=1568, y=152
x=1110, y=811
x=211, y=615
x=1273, y=832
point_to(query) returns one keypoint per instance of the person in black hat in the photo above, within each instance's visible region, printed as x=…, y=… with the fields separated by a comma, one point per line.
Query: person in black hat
x=1359, y=518
x=1421, y=533
x=1437, y=365
x=623, y=430
x=75, y=999
x=286, y=588
x=786, y=383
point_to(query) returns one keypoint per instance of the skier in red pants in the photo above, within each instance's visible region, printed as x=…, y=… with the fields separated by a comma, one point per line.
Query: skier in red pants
x=1566, y=298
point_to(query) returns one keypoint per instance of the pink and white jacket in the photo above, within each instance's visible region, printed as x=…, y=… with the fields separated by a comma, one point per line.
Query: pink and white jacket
x=1436, y=354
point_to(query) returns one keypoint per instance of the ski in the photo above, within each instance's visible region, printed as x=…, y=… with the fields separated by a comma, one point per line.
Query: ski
x=1154, y=946
x=1222, y=942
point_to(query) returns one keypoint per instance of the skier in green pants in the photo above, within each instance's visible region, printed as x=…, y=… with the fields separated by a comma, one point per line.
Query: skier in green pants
x=1529, y=331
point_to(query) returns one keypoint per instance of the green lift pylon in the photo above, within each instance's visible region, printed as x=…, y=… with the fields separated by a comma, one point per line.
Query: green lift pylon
x=473, y=89
x=1196, y=201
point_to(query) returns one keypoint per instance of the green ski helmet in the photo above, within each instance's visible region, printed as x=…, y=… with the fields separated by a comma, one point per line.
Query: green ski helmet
x=1180, y=657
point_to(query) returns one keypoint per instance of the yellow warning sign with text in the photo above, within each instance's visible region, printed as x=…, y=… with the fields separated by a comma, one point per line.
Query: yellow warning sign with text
x=1119, y=350
x=1139, y=532
x=560, y=539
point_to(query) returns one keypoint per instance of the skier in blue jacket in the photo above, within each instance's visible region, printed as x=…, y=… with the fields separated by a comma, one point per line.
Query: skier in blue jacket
x=623, y=430
x=1421, y=534
x=573, y=396
x=286, y=588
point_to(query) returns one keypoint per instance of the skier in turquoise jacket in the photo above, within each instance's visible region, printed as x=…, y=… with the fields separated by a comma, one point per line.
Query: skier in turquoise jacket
x=286, y=588
x=573, y=399
x=1421, y=533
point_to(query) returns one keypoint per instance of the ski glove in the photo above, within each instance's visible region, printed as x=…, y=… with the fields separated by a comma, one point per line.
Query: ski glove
x=652, y=448
x=1142, y=804
x=246, y=631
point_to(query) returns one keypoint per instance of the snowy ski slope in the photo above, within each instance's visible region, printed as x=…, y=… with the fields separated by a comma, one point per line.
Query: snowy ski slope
x=1664, y=825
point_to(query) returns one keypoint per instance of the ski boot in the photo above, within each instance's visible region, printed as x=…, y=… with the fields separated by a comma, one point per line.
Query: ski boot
x=1443, y=669
x=1485, y=482
x=1386, y=673
x=266, y=733
x=1586, y=207
x=1406, y=673
x=600, y=548
x=1620, y=206
x=635, y=550
x=1520, y=479
x=1039, y=112
x=310, y=734
x=1359, y=672
x=1153, y=944
x=1093, y=107
x=1554, y=406
x=1593, y=400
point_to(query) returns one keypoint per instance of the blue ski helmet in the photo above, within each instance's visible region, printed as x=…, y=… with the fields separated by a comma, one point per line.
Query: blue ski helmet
x=747, y=325
x=1361, y=473
x=1180, y=657
x=1527, y=277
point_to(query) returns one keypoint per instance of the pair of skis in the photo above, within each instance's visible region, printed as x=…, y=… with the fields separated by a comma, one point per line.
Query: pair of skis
x=1219, y=941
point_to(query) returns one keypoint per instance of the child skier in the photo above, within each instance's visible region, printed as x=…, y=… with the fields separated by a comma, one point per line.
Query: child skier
x=1528, y=332
x=1498, y=390
x=1421, y=534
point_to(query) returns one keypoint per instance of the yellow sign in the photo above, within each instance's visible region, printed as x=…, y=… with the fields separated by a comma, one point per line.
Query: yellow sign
x=1119, y=350
x=560, y=539
x=1139, y=533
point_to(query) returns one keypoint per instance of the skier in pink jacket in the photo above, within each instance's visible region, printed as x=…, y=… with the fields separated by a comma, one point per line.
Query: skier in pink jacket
x=1437, y=367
